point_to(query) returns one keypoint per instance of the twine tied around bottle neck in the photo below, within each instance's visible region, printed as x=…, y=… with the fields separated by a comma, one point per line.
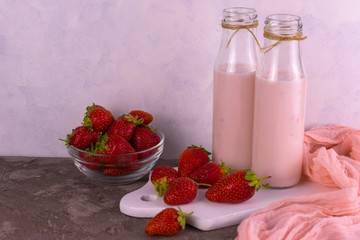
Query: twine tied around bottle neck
x=238, y=28
x=279, y=39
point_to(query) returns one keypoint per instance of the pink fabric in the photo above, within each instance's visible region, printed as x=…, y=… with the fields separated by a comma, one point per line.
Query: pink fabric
x=331, y=158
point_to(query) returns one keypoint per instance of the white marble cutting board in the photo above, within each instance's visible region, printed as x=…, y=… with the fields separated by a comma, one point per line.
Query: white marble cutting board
x=144, y=203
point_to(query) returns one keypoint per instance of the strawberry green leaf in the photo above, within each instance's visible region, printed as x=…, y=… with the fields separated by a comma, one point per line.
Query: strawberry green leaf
x=151, y=128
x=254, y=181
x=133, y=119
x=181, y=217
x=87, y=121
x=90, y=108
x=68, y=138
x=200, y=147
x=161, y=186
x=100, y=145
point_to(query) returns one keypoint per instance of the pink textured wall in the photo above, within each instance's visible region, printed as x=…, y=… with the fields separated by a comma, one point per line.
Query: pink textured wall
x=56, y=57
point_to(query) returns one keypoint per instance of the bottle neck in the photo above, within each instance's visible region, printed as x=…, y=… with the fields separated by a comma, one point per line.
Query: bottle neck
x=281, y=57
x=239, y=47
x=282, y=53
x=238, y=52
x=279, y=46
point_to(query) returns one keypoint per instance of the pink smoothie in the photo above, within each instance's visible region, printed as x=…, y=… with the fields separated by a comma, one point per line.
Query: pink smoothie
x=279, y=129
x=233, y=115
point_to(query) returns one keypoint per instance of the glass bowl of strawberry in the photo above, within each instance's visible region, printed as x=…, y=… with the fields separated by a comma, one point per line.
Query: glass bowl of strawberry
x=115, y=151
x=112, y=168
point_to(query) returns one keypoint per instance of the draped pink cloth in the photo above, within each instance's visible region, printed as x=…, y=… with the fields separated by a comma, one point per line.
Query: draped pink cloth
x=331, y=158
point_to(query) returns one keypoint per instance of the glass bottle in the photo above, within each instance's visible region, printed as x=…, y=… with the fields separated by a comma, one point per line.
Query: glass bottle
x=233, y=93
x=279, y=107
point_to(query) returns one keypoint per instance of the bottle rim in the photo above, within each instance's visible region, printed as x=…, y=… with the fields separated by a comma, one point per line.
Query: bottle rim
x=283, y=24
x=240, y=16
x=283, y=17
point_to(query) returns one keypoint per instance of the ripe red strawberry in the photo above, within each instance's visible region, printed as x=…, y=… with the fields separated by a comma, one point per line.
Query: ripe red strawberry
x=181, y=190
x=81, y=138
x=97, y=118
x=124, y=126
x=191, y=159
x=164, y=171
x=143, y=139
x=235, y=188
x=115, y=146
x=209, y=173
x=161, y=177
x=147, y=117
x=94, y=161
x=168, y=222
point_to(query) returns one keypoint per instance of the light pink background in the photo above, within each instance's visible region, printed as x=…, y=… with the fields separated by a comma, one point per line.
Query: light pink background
x=56, y=57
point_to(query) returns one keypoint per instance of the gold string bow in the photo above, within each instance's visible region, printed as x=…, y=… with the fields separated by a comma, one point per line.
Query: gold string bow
x=272, y=36
x=237, y=28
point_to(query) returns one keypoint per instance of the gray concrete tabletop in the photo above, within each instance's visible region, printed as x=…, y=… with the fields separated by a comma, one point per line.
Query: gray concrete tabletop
x=48, y=198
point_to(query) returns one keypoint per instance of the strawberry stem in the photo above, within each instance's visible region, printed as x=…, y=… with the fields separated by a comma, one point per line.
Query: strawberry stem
x=151, y=128
x=203, y=184
x=181, y=217
x=200, y=184
x=225, y=169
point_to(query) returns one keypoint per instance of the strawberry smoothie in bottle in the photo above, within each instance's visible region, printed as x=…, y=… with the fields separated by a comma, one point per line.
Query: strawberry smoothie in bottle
x=279, y=106
x=233, y=94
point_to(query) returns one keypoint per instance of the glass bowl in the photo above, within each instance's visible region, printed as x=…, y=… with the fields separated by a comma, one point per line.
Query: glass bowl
x=117, y=169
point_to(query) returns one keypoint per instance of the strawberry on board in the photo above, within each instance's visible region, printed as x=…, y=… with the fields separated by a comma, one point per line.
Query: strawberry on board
x=147, y=117
x=191, y=159
x=168, y=222
x=235, y=188
x=181, y=190
x=115, y=146
x=210, y=173
x=81, y=138
x=161, y=177
x=97, y=118
x=144, y=138
x=124, y=126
